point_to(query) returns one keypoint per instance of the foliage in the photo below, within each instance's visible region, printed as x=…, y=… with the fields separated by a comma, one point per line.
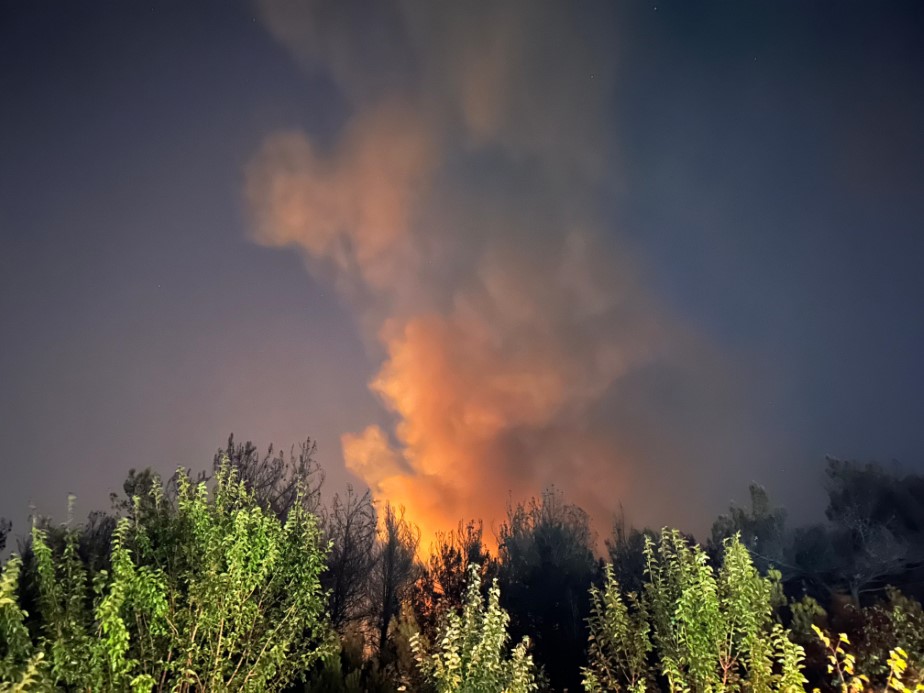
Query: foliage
x=402, y=667
x=222, y=584
x=805, y=613
x=841, y=663
x=715, y=631
x=845, y=674
x=442, y=584
x=897, y=622
x=92, y=543
x=898, y=665
x=471, y=651
x=619, y=640
x=21, y=664
x=137, y=492
x=212, y=593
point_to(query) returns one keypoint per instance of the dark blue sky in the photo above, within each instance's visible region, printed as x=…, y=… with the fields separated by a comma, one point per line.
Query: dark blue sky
x=762, y=166
x=777, y=153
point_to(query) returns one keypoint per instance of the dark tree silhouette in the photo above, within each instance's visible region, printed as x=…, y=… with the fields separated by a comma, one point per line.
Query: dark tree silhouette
x=444, y=578
x=277, y=480
x=762, y=529
x=626, y=549
x=394, y=573
x=136, y=492
x=546, y=568
x=350, y=525
x=5, y=527
x=877, y=524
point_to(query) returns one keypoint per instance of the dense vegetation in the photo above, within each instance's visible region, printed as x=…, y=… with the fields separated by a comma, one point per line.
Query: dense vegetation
x=246, y=580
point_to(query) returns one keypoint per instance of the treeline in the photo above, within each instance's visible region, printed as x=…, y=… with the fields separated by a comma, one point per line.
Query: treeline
x=247, y=579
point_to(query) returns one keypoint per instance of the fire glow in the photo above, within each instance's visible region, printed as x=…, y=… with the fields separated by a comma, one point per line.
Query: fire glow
x=504, y=321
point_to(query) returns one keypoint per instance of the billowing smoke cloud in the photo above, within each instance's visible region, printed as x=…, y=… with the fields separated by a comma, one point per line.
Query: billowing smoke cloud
x=456, y=213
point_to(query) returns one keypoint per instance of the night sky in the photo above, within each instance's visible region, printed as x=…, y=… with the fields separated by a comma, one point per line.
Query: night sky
x=644, y=252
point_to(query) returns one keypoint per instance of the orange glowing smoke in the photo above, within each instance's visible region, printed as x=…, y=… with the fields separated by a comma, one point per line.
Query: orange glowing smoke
x=491, y=386
x=503, y=320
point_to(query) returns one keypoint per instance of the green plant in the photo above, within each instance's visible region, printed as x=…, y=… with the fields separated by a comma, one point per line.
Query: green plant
x=471, y=650
x=211, y=592
x=898, y=666
x=22, y=666
x=897, y=622
x=842, y=663
x=805, y=612
x=619, y=639
x=711, y=631
x=842, y=666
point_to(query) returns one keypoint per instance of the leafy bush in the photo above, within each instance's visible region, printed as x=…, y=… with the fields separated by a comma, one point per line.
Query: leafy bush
x=21, y=664
x=897, y=622
x=710, y=631
x=619, y=640
x=209, y=593
x=470, y=654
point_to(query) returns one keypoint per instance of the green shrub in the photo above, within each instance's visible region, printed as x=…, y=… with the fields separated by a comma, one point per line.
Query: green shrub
x=208, y=593
x=471, y=650
x=897, y=622
x=21, y=664
x=619, y=640
x=709, y=630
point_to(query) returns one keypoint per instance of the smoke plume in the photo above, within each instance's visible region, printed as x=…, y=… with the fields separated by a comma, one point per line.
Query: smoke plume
x=458, y=213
